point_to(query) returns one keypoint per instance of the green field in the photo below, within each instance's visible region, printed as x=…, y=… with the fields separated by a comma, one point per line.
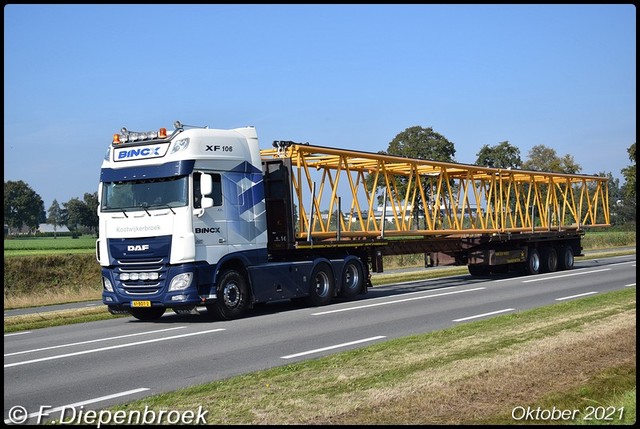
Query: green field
x=48, y=245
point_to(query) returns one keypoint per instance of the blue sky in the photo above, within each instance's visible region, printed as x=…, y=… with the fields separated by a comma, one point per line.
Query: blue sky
x=347, y=76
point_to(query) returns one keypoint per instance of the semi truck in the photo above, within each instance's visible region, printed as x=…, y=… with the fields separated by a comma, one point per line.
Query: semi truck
x=200, y=217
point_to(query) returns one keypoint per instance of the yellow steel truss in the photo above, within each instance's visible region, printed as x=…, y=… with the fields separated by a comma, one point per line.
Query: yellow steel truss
x=462, y=199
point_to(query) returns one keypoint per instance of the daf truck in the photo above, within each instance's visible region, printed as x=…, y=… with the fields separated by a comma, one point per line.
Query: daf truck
x=201, y=217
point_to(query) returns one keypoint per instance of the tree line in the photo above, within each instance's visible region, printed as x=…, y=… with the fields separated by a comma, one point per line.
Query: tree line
x=24, y=207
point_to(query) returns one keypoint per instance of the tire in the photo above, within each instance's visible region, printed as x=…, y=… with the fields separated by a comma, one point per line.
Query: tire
x=532, y=266
x=147, y=314
x=565, y=258
x=548, y=260
x=232, y=296
x=321, y=285
x=352, y=278
x=479, y=270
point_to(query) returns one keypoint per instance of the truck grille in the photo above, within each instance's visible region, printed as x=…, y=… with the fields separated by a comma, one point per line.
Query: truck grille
x=145, y=268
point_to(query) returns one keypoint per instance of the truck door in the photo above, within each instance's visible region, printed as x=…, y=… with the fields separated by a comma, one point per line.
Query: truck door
x=210, y=227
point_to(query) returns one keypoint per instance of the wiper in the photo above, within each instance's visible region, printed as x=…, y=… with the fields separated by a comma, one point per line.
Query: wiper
x=124, y=211
x=164, y=205
x=144, y=207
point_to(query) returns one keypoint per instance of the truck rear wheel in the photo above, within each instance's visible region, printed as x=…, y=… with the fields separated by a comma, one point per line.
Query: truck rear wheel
x=352, y=278
x=147, y=314
x=322, y=285
x=232, y=296
x=565, y=258
x=532, y=266
x=548, y=260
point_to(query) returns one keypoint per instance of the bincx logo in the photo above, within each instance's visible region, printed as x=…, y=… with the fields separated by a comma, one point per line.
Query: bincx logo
x=138, y=248
x=147, y=152
x=208, y=230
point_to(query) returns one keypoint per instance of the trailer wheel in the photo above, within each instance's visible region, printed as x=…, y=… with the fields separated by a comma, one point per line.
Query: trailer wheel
x=322, y=285
x=352, y=278
x=532, y=266
x=147, y=314
x=232, y=296
x=565, y=258
x=548, y=260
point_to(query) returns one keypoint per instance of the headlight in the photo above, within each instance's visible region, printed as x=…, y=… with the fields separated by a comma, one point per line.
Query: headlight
x=107, y=284
x=180, y=282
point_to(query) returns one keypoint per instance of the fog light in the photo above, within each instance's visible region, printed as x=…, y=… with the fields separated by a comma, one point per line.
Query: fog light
x=178, y=297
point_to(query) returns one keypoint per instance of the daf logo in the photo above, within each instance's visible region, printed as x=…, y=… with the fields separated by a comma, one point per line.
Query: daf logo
x=138, y=248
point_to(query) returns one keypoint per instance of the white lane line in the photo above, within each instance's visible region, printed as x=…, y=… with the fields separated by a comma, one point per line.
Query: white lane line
x=47, y=412
x=565, y=275
x=333, y=347
x=93, y=341
x=630, y=284
x=396, y=301
x=111, y=347
x=575, y=296
x=17, y=333
x=483, y=315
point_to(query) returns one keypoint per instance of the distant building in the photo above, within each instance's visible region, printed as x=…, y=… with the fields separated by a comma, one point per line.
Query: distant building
x=46, y=227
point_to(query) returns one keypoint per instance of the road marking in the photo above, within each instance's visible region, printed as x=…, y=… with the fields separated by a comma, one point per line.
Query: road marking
x=575, y=296
x=332, y=347
x=630, y=284
x=92, y=341
x=565, y=275
x=483, y=315
x=112, y=347
x=78, y=404
x=396, y=301
x=17, y=333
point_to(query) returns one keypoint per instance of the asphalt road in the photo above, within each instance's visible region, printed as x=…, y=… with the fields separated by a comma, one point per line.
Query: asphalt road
x=95, y=365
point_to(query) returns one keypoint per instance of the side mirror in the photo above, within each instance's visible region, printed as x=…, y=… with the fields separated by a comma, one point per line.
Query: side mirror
x=206, y=202
x=206, y=185
x=206, y=188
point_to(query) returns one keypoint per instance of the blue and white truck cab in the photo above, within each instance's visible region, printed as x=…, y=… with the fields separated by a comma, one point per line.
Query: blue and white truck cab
x=172, y=208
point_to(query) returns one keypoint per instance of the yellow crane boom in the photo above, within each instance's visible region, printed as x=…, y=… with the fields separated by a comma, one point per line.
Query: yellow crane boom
x=461, y=199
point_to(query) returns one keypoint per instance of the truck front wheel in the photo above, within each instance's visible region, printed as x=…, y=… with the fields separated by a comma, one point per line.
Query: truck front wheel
x=232, y=296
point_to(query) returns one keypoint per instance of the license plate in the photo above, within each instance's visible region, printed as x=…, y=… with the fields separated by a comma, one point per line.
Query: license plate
x=141, y=303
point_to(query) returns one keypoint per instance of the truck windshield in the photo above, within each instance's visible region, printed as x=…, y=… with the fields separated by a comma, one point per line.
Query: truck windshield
x=145, y=194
